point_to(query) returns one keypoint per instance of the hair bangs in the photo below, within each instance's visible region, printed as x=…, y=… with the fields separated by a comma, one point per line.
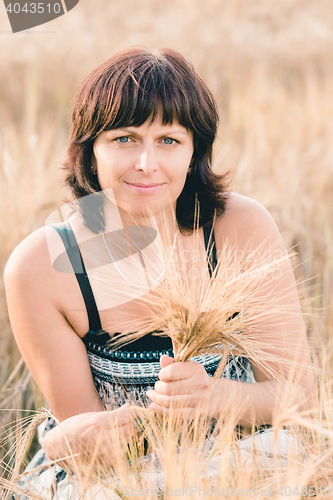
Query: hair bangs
x=144, y=94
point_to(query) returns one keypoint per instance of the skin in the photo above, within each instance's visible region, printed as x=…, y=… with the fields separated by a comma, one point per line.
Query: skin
x=151, y=154
x=48, y=327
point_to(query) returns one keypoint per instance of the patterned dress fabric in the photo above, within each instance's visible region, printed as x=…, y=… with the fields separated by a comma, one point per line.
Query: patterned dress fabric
x=124, y=374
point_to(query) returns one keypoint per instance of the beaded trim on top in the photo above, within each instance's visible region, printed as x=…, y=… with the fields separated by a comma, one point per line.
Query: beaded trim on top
x=122, y=375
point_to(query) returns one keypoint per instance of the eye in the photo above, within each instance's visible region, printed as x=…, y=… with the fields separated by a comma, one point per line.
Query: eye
x=168, y=141
x=123, y=140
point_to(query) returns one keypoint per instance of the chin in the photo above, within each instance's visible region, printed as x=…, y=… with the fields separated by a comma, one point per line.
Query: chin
x=148, y=209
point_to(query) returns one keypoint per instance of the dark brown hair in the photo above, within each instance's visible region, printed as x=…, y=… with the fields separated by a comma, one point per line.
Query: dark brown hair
x=127, y=90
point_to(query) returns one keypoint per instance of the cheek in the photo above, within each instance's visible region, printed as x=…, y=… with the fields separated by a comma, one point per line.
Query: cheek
x=106, y=155
x=109, y=167
x=181, y=163
x=179, y=183
x=115, y=164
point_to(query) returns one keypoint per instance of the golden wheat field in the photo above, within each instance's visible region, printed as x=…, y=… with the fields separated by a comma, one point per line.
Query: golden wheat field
x=269, y=64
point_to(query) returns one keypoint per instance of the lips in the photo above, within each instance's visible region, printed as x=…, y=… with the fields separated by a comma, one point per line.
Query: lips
x=138, y=184
x=140, y=187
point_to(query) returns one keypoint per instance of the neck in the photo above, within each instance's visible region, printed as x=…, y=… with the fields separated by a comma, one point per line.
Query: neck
x=164, y=222
x=151, y=238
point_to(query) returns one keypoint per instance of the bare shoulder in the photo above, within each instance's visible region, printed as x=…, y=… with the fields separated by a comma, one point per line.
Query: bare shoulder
x=31, y=254
x=31, y=261
x=247, y=223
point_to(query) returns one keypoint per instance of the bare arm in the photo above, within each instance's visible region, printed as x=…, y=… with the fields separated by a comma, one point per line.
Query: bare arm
x=249, y=229
x=52, y=349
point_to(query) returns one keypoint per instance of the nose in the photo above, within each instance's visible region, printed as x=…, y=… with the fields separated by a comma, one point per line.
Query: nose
x=147, y=161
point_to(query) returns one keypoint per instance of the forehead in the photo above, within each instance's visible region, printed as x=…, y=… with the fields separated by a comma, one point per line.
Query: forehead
x=154, y=125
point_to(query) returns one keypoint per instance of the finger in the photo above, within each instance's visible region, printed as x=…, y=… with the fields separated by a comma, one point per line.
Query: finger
x=176, y=388
x=120, y=417
x=166, y=360
x=180, y=371
x=134, y=409
x=123, y=431
x=178, y=401
x=127, y=412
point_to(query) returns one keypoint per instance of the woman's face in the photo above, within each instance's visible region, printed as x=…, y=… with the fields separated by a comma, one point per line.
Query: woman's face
x=145, y=166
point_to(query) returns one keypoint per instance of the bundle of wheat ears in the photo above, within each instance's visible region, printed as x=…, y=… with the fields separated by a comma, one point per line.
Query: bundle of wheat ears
x=230, y=314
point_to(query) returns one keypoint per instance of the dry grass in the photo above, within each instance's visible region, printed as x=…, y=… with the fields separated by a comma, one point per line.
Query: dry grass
x=269, y=64
x=203, y=317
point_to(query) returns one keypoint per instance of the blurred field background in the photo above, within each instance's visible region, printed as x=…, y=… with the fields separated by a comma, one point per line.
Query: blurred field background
x=269, y=64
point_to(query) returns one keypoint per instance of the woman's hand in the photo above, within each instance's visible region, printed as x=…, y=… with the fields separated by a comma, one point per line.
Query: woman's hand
x=182, y=388
x=103, y=435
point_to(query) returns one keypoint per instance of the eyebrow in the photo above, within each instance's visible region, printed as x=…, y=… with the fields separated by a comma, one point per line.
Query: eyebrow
x=133, y=130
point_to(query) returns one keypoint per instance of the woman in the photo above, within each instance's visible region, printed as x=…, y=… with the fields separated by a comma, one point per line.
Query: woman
x=143, y=128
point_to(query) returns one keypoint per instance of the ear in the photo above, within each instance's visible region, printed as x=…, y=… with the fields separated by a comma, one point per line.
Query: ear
x=93, y=164
x=93, y=160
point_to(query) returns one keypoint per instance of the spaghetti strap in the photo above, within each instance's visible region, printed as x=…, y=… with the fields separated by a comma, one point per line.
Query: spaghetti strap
x=73, y=251
x=210, y=248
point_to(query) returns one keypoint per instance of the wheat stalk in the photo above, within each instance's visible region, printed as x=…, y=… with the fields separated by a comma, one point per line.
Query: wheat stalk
x=221, y=317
